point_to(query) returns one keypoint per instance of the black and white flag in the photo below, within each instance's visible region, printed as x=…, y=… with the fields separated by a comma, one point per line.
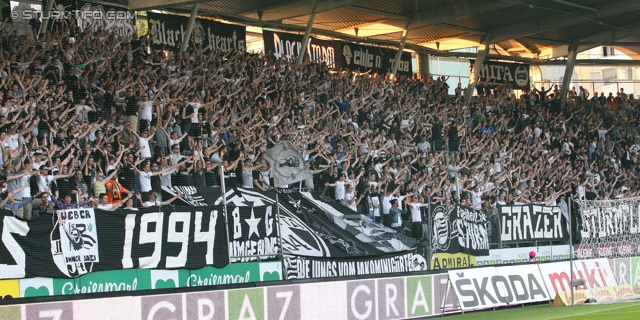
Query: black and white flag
x=459, y=229
x=288, y=164
x=532, y=222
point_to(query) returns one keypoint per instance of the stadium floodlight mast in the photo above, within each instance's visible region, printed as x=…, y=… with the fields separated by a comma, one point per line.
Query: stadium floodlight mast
x=216, y=159
x=456, y=170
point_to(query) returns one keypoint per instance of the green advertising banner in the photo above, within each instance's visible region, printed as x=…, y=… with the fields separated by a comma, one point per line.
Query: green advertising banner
x=146, y=279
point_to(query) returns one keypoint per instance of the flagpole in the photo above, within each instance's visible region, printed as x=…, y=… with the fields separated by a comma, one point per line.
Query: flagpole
x=571, y=250
x=430, y=226
x=284, y=269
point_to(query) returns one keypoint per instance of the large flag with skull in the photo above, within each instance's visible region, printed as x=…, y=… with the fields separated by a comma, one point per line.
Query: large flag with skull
x=288, y=164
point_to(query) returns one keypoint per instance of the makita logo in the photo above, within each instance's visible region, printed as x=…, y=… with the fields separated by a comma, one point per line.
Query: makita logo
x=596, y=277
x=498, y=289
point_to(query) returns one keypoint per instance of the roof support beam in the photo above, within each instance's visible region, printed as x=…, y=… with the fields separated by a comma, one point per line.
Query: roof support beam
x=396, y=62
x=608, y=36
x=602, y=38
x=297, y=9
x=450, y=26
x=457, y=9
x=473, y=77
x=155, y=4
x=567, y=3
x=307, y=33
x=568, y=73
x=560, y=20
x=382, y=13
x=190, y=24
x=45, y=22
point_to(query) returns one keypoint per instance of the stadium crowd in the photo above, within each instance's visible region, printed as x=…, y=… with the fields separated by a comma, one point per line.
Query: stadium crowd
x=106, y=122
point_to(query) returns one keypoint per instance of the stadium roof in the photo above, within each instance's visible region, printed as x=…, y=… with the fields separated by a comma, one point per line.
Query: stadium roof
x=516, y=29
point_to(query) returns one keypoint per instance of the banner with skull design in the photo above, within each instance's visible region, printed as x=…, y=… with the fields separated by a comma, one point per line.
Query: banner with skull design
x=515, y=75
x=168, y=31
x=459, y=229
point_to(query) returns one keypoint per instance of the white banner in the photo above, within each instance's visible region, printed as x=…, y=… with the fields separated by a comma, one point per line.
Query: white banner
x=614, y=221
x=78, y=236
x=491, y=287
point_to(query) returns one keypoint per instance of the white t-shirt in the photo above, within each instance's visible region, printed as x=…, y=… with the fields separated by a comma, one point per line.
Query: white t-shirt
x=348, y=197
x=107, y=206
x=195, y=106
x=146, y=151
x=376, y=206
x=146, y=110
x=13, y=142
x=386, y=204
x=83, y=112
x=44, y=182
x=152, y=204
x=340, y=190
x=145, y=181
x=416, y=215
x=26, y=192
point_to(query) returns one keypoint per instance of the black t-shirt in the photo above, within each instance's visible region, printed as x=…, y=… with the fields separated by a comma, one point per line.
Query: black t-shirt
x=64, y=187
x=127, y=177
x=156, y=183
x=199, y=179
x=436, y=131
x=132, y=106
x=109, y=100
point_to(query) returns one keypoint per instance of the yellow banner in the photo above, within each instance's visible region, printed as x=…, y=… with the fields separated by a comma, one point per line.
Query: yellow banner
x=452, y=261
x=603, y=294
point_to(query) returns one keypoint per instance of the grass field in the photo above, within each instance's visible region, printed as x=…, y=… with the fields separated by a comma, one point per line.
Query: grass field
x=617, y=311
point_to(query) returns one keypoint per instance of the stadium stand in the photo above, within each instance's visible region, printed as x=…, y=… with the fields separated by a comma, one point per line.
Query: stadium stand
x=110, y=115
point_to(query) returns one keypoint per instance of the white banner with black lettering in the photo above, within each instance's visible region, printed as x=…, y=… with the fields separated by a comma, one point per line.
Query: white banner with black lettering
x=531, y=223
x=611, y=221
x=78, y=236
x=299, y=267
x=492, y=287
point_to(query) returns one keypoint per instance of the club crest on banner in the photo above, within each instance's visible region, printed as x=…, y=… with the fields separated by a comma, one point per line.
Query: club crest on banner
x=441, y=228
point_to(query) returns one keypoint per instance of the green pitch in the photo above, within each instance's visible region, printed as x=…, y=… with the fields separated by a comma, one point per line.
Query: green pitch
x=617, y=311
